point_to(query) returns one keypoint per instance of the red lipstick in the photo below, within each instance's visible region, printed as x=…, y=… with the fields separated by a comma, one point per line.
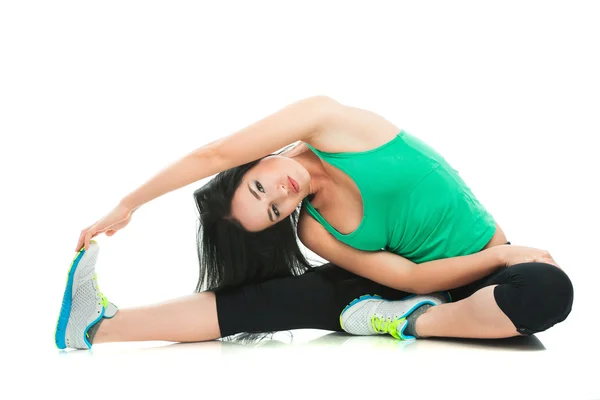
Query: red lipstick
x=294, y=185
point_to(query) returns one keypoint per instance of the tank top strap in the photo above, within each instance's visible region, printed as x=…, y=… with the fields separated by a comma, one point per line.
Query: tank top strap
x=337, y=160
x=313, y=149
x=316, y=215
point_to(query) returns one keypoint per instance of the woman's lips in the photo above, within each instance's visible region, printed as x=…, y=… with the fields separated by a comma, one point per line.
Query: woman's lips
x=294, y=185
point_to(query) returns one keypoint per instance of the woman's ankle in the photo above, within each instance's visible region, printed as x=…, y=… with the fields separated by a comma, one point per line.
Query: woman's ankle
x=422, y=324
x=105, y=332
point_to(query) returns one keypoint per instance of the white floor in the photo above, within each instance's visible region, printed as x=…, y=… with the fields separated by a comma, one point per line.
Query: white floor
x=558, y=364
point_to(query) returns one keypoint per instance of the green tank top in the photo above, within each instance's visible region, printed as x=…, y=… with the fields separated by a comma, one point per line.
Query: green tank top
x=414, y=203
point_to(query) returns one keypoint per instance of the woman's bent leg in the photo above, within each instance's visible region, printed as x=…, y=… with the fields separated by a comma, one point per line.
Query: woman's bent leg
x=477, y=316
x=523, y=299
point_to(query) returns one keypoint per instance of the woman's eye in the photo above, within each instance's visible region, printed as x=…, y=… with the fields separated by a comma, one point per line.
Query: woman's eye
x=276, y=211
x=259, y=187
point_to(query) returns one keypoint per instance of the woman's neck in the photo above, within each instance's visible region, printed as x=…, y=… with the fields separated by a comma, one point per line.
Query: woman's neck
x=321, y=183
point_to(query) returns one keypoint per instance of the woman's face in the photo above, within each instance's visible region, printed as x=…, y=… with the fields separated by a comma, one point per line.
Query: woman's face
x=266, y=196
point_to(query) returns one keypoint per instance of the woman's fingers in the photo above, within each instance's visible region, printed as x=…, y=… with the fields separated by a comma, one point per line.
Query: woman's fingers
x=553, y=262
x=86, y=241
x=80, y=241
x=548, y=260
x=85, y=237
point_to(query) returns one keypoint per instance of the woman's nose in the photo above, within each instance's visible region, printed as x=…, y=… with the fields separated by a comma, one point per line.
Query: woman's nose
x=283, y=189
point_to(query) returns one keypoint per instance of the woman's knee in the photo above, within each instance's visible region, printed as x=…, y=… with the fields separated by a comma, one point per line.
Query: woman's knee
x=552, y=284
x=538, y=296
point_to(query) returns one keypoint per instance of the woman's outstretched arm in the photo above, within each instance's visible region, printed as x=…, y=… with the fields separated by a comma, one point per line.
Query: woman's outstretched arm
x=302, y=120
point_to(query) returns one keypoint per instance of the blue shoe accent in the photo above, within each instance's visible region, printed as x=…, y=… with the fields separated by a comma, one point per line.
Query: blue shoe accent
x=361, y=298
x=85, y=337
x=403, y=336
x=65, y=309
x=413, y=308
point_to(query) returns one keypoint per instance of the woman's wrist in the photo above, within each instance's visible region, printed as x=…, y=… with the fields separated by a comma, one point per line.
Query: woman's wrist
x=498, y=253
x=128, y=204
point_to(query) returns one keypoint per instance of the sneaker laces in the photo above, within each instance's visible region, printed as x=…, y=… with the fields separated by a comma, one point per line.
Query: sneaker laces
x=104, y=300
x=381, y=324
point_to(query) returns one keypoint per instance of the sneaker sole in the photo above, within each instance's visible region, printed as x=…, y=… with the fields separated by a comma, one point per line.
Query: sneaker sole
x=65, y=309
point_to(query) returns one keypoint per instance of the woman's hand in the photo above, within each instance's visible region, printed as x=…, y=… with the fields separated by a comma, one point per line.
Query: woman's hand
x=511, y=255
x=117, y=219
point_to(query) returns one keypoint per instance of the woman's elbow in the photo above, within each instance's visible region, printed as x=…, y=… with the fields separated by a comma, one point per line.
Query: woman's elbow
x=327, y=107
x=322, y=99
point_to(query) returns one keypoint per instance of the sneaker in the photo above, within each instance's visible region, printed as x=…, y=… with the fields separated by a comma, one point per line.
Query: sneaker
x=372, y=315
x=83, y=305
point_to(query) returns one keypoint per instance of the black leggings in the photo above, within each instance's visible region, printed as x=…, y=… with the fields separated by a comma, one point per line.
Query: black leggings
x=534, y=295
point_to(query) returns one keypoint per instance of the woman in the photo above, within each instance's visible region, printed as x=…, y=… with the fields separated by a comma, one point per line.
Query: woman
x=388, y=212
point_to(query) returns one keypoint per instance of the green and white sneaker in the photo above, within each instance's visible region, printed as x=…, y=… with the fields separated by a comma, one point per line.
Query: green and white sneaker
x=83, y=305
x=372, y=315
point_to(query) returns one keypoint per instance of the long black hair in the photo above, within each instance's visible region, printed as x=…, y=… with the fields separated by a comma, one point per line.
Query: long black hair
x=229, y=255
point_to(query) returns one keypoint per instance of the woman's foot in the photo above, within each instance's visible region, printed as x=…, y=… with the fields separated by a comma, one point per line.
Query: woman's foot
x=372, y=315
x=83, y=305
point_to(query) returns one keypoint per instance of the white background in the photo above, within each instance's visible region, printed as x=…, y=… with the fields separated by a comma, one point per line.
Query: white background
x=97, y=97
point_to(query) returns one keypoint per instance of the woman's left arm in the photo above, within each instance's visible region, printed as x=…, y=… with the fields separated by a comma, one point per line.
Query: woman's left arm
x=392, y=270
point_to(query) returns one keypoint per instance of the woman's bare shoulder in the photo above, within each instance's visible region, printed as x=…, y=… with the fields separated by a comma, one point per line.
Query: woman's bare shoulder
x=350, y=129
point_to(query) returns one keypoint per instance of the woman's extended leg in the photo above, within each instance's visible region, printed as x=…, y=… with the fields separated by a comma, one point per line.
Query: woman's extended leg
x=191, y=318
x=86, y=316
x=313, y=300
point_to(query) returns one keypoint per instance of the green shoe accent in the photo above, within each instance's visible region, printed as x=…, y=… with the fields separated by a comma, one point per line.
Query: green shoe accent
x=103, y=297
x=387, y=325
